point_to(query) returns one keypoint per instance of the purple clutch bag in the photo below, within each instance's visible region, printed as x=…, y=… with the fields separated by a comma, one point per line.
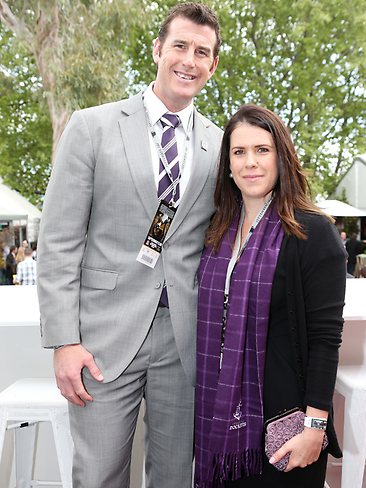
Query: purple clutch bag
x=281, y=429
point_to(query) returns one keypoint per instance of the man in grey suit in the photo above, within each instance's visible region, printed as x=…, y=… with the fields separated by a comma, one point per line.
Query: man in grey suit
x=118, y=301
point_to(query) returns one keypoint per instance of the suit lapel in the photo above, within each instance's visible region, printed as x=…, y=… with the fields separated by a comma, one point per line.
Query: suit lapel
x=203, y=162
x=135, y=137
x=134, y=132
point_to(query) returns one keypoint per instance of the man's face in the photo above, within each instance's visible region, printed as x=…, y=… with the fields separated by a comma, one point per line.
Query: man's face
x=185, y=62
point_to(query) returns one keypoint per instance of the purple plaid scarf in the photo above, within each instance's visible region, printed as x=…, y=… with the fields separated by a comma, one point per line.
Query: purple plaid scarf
x=229, y=403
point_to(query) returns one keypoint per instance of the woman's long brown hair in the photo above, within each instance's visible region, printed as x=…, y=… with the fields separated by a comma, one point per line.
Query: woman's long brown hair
x=291, y=191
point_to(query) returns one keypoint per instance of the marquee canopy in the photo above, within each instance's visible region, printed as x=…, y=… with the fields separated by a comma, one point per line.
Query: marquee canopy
x=13, y=206
x=336, y=208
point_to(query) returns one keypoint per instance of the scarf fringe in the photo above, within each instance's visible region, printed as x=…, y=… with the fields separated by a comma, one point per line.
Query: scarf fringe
x=232, y=466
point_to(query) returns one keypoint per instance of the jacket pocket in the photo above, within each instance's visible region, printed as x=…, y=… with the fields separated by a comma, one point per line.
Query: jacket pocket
x=99, y=279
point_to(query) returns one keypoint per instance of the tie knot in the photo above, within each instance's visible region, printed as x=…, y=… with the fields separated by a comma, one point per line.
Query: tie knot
x=170, y=119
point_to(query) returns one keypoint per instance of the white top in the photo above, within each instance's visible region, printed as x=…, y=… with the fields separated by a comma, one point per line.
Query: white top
x=155, y=109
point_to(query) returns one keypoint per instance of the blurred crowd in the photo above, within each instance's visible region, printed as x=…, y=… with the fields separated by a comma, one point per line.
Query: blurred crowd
x=18, y=265
x=354, y=248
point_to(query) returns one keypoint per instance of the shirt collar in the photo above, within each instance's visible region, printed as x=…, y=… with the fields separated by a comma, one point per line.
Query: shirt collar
x=156, y=108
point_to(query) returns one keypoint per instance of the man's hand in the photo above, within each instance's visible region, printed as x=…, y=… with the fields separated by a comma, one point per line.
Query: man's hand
x=68, y=362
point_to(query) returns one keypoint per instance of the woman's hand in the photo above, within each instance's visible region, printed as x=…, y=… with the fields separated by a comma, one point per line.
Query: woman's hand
x=304, y=449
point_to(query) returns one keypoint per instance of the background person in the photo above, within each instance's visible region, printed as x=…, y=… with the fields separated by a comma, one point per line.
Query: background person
x=3, y=254
x=34, y=250
x=275, y=267
x=20, y=254
x=121, y=340
x=353, y=247
x=343, y=237
x=27, y=269
x=11, y=265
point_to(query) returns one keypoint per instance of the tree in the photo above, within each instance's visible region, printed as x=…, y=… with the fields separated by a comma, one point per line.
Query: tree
x=306, y=61
x=25, y=128
x=77, y=46
x=303, y=59
x=56, y=56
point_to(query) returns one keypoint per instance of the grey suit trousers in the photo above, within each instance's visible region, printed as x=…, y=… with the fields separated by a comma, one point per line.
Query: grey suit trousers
x=103, y=430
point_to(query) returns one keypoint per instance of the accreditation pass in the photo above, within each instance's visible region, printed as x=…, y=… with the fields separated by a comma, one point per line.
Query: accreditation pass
x=153, y=244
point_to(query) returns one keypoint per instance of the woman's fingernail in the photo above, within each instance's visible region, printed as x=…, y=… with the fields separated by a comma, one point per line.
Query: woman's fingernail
x=272, y=460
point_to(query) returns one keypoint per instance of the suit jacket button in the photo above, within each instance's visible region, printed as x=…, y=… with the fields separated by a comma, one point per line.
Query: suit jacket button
x=157, y=285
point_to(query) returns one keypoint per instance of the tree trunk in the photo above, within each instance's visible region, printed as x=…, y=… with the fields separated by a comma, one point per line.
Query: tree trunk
x=59, y=119
x=43, y=43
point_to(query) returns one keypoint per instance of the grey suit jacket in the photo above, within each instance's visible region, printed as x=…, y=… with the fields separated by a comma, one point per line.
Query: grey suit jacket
x=99, y=205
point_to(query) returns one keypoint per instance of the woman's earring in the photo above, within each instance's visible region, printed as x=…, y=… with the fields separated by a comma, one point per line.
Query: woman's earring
x=230, y=175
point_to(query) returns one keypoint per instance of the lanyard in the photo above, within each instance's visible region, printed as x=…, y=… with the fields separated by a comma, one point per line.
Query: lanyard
x=237, y=252
x=161, y=153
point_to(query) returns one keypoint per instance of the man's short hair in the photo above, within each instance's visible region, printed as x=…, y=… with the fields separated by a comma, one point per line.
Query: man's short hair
x=196, y=12
x=28, y=251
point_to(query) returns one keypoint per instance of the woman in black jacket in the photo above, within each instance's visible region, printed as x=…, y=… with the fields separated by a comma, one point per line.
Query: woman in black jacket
x=271, y=295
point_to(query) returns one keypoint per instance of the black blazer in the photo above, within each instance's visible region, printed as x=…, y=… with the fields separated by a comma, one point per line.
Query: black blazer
x=314, y=272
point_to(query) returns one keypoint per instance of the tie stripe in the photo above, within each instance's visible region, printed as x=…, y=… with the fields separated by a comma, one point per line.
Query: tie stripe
x=169, y=146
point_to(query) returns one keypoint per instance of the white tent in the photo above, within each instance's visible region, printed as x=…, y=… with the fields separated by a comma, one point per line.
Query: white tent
x=340, y=209
x=352, y=183
x=17, y=210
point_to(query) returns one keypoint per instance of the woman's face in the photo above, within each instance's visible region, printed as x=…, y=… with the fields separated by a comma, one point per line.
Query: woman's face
x=253, y=162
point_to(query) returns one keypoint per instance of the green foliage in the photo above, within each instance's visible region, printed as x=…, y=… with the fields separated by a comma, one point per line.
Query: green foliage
x=303, y=59
x=306, y=61
x=351, y=225
x=94, y=35
x=25, y=129
x=70, y=54
x=82, y=45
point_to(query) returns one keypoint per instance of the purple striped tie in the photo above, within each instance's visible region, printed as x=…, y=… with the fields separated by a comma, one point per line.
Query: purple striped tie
x=169, y=145
x=165, y=186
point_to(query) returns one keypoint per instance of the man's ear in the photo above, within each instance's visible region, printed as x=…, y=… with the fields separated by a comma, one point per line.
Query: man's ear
x=214, y=66
x=156, y=50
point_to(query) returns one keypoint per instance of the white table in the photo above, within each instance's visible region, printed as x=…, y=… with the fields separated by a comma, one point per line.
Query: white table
x=353, y=349
x=21, y=356
x=351, y=384
x=352, y=353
